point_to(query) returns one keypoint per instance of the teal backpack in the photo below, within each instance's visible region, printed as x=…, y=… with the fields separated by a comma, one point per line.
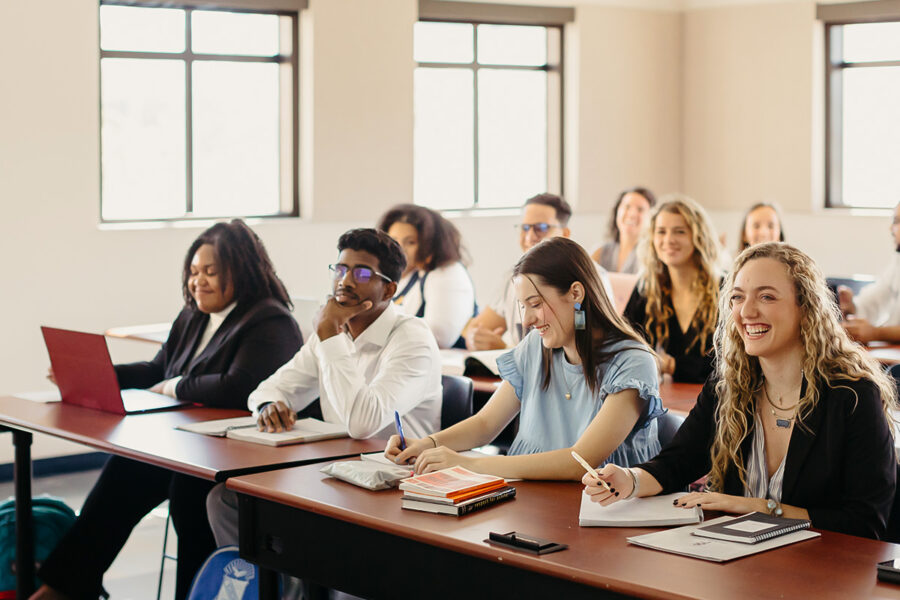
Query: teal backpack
x=52, y=519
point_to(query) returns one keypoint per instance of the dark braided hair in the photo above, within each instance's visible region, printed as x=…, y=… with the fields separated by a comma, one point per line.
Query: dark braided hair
x=243, y=261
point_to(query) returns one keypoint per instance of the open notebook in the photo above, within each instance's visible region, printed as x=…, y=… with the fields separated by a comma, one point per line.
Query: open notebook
x=244, y=429
x=653, y=511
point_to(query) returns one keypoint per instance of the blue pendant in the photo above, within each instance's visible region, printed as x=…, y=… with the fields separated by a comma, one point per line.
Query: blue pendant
x=785, y=423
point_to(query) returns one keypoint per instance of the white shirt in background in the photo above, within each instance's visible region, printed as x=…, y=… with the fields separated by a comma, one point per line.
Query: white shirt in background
x=449, y=301
x=879, y=302
x=393, y=365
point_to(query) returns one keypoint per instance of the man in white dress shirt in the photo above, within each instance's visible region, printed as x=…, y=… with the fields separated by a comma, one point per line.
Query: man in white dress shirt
x=874, y=314
x=365, y=360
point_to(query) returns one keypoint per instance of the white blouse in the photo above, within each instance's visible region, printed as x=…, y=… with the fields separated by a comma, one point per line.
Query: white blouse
x=449, y=301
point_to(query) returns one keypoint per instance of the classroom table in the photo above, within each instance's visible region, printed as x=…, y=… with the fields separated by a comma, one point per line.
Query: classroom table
x=301, y=522
x=885, y=353
x=150, y=438
x=154, y=333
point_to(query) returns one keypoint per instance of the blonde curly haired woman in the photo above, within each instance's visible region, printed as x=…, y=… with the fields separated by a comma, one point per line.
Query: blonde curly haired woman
x=796, y=421
x=674, y=303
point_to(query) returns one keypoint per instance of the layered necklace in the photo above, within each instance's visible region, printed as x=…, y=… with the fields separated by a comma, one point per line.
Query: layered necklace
x=780, y=421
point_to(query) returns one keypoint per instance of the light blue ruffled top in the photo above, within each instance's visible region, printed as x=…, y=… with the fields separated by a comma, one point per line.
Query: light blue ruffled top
x=548, y=421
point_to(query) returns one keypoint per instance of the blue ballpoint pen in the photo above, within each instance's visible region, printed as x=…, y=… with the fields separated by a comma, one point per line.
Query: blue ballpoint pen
x=399, y=430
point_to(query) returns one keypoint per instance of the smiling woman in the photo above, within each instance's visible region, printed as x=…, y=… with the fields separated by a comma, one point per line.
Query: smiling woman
x=796, y=421
x=234, y=331
x=580, y=380
x=674, y=302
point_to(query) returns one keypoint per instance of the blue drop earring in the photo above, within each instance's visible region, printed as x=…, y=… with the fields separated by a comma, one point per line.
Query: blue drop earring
x=579, y=317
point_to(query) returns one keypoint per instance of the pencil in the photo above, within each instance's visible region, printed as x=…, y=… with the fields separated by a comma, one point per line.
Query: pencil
x=590, y=469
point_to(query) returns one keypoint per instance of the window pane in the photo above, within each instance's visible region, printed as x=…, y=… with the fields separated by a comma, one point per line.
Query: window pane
x=141, y=29
x=142, y=132
x=236, y=125
x=871, y=130
x=444, y=131
x=512, y=127
x=512, y=45
x=871, y=42
x=443, y=42
x=215, y=32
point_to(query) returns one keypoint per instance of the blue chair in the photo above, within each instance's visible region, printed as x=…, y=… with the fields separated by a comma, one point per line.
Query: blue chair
x=668, y=425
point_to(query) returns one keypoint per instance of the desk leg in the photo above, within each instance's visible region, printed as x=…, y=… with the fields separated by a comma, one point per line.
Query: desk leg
x=268, y=584
x=24, y=516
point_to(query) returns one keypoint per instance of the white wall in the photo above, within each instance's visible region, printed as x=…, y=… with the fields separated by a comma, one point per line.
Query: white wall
x=715, y=101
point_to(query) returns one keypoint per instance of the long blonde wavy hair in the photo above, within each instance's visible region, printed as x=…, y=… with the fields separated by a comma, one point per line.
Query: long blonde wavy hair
x=828, y=355
x=656, y=284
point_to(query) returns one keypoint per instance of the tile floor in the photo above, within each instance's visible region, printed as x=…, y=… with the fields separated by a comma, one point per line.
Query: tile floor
x=134, y=574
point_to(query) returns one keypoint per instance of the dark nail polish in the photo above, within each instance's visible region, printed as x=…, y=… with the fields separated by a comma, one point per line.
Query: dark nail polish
x=675, y=502
x=617, y=493
x=612, y=489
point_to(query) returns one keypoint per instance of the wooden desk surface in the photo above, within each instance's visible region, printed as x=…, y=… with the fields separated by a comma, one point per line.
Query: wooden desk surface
x=886, y=354
x=833, y=566
x=152, y=438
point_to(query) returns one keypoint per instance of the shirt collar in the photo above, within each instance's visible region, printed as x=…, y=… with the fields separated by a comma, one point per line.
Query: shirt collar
x=216, y=318
x=377, y=333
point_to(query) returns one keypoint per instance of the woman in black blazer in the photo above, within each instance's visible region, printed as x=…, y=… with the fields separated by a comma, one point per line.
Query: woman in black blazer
x=795, y=421
x=234, y=331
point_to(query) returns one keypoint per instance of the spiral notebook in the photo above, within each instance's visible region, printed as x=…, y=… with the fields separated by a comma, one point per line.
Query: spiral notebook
x=752, y=528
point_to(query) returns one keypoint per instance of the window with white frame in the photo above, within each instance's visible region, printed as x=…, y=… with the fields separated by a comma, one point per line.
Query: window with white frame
x=488, y=113
x=198, y=112
x=863, y=122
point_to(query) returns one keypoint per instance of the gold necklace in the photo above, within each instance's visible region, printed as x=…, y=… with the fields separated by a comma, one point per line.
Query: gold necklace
x=780, y=421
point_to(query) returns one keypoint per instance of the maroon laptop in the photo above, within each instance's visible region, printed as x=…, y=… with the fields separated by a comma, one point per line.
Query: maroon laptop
x=85, y=376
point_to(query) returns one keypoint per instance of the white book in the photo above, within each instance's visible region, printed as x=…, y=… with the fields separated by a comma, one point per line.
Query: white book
x=455, y=361
x=682, y=541
x=652, y=511
x=220, y=427
x=304, y=430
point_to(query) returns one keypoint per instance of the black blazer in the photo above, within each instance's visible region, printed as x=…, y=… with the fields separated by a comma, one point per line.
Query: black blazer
x=841, y=467
x=691, y=366
x=250, y=345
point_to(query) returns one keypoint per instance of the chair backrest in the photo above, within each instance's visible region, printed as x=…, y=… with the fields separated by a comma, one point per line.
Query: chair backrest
x=457, y=399
x=668, y=424
x=622, y=285
x=855, y=282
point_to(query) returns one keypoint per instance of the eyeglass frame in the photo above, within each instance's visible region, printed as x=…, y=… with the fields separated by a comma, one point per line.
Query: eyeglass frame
x=348, y=269
x=539, y=228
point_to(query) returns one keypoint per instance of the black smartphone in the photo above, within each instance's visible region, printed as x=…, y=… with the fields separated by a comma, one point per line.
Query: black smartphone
x=889, y=571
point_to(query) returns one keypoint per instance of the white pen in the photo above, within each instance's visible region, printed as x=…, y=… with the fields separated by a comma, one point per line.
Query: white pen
x=590, y=469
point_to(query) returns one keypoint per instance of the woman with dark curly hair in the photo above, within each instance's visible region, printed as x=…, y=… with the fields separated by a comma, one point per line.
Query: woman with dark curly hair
x=435, y=285
x=234, y=331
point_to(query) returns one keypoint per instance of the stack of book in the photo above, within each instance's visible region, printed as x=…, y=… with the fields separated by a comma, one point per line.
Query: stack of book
x=454, y=491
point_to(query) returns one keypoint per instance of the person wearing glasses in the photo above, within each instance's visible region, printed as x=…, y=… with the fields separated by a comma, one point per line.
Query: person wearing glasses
x=874, y=314
x=365, y=360
x=499, y=325
x=435, y=284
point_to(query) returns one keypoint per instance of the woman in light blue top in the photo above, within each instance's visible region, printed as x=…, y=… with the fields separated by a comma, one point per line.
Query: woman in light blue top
x=581, y=380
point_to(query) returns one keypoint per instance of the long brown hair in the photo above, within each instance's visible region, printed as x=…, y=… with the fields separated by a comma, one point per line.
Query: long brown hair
x=656, y=283
x=559, y=262
x=440, y=242
x=744, y=244
x=828, y=355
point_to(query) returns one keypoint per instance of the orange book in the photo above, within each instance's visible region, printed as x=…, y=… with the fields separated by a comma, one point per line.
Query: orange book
x=453, y=482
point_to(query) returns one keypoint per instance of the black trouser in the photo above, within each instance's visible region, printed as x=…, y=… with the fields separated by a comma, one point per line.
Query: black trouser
x=125, y=492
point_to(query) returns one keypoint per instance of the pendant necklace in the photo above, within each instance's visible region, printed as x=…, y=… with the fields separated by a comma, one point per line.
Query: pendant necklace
x=780, y=421
x=568, y=393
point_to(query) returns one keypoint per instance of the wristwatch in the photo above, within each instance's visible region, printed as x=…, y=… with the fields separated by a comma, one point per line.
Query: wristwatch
x=774, y=508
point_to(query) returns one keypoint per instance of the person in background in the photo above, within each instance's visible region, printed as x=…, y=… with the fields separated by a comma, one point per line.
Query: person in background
x=762, y=223
x=630, y=218
x=796, y=421
x=875, y=313
x=235, y=330
x=582, y=380
x=435, y=285
x=366, y=360
x=499, y=325
x=674, y=302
